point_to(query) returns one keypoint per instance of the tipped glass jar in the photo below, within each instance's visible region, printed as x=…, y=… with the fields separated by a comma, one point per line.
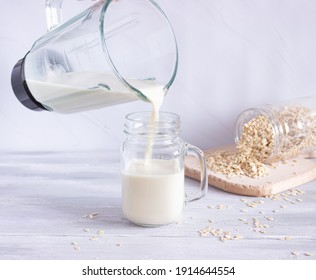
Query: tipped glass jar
x=280, y=131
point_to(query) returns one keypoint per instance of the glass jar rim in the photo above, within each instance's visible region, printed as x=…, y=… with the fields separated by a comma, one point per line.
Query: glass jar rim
x=279, y=133
x=139, y=123
x=164, y=117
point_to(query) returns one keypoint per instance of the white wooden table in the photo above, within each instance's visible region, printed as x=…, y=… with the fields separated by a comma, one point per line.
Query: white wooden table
x=67, y=206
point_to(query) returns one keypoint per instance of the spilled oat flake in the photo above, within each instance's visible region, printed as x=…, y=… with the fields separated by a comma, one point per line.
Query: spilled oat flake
x=255, y=147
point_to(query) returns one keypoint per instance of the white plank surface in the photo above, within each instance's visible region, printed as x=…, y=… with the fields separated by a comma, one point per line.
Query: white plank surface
x=45, y=196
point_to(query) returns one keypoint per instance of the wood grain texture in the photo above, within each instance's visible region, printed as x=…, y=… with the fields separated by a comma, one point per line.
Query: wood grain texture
x=283, y=176
x=46, y=199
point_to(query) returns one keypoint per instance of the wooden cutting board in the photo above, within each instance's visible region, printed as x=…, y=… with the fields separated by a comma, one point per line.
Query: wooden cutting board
x=284, y=176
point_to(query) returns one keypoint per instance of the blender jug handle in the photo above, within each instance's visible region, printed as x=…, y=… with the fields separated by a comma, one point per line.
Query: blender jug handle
x=53, y=13
x=53, y=10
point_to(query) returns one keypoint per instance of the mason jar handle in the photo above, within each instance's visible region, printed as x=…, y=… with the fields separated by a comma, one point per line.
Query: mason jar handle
x=195, y=151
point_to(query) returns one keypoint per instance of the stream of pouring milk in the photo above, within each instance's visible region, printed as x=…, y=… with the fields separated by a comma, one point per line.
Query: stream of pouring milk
x=155, y=95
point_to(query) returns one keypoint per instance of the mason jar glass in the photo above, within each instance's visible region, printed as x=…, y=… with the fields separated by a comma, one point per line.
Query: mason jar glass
x=152, y=169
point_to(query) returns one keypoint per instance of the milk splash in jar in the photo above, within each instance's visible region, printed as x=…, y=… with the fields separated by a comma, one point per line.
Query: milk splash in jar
x=153, y=189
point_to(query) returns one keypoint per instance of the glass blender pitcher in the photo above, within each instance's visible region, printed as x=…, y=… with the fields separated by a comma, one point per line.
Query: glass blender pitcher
x=110, y=53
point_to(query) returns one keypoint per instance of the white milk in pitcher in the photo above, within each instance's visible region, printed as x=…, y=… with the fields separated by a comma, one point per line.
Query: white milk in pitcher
x=76, y=91
x=153, y=191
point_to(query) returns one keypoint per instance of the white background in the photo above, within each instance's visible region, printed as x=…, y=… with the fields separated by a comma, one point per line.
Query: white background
x=234, y=54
